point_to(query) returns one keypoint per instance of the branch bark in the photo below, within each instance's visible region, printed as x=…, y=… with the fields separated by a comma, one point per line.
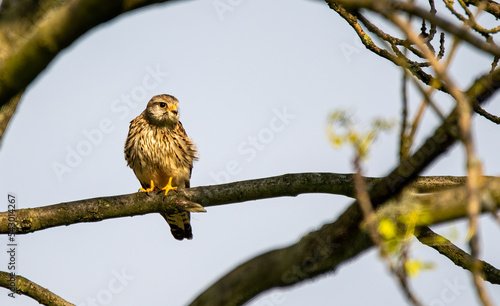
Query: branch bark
x=459, y=257
x=92, y=210
x=33, y=290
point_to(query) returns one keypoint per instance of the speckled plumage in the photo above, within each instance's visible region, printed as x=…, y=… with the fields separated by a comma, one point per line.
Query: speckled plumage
x=157, y=148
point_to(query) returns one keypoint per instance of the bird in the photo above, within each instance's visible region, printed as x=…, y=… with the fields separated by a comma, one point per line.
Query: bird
x=161, y=155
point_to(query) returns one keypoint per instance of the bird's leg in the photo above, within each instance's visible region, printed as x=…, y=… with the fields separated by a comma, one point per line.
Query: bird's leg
x=169, y=186
x=151, y=187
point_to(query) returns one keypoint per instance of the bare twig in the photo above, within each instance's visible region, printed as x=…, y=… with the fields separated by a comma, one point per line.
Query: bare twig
x=386, y=6
x=473, y=164
x=481, y=111
x=404, y=141
x=414, y=67
x=370, y=218
x=489, y=6
x=459, y=257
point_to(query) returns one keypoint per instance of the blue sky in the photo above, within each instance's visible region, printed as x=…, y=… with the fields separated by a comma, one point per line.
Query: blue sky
x=255, y=84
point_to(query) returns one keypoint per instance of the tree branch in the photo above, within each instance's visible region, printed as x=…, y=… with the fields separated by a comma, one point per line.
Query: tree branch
x=490, y=6
x=31, y=289
x=398, y=59
x=459, y=257
x=383, y=7
x=323, y=250
x=92, y=210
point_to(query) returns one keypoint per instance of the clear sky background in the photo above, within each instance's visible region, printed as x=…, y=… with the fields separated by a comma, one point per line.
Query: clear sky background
x=234, y=75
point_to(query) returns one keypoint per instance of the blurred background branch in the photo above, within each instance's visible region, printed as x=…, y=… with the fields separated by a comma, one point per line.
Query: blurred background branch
x=32, y=33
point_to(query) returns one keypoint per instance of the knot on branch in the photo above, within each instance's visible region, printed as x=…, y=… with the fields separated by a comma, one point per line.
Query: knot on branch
x=178, y=201
x=189, y=206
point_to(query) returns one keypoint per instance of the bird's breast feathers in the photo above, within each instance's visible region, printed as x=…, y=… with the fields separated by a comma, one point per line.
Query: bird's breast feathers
x=155, y=152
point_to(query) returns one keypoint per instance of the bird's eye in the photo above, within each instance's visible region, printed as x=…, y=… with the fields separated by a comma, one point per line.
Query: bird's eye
x=163, y=104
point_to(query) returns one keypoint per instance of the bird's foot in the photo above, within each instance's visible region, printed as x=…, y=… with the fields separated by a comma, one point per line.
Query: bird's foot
x=151, y=187
x=169, y=186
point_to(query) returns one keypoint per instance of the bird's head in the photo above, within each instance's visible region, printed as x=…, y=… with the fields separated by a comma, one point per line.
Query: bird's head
x=163, y=111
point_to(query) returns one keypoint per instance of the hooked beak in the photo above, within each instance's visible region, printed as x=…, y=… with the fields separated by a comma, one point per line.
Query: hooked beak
x=173, y=109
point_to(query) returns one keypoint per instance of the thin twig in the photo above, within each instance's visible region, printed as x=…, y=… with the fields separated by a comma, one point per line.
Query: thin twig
x=473, y=164
x=370, y=218
x=404, y=143
x=414, y=67
x=481, y=111
x=459, y=257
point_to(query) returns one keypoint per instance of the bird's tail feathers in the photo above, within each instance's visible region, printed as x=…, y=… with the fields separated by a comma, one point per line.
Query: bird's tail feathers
x=179, y=225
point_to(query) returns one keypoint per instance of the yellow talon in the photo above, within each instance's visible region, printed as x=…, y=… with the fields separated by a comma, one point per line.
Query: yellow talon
x=169, y=186
x=151, y=188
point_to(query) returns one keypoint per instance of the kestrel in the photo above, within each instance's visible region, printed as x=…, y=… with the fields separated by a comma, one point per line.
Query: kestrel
x=161, y=154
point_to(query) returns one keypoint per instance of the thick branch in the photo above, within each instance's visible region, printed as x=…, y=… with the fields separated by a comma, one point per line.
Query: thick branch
x=31, y=289
x=92, y=210
x=323, y=250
